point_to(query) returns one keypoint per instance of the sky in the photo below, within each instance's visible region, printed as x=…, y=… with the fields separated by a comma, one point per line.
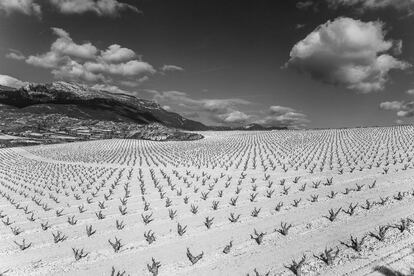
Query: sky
x=294, y=63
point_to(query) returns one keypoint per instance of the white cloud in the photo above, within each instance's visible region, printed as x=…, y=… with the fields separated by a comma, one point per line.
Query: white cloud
x=100, y=7
x=234, y=117
x=279, y=110
x=75, y=71
x=347, y=52
x=15, y=55
x=69, y=60
x=211, y=105
x=228, y=111
x=115, y=53
x=28, y=7
x=142, y=79
x=62, y=50
x=110, y=88
x=171, y=68
x=46, y=60
x=394, y=105
x=130, y=68
x=9, y=81
x=221, y=111
x=403, y=108
x=222, y=105
x=281, y=116
x=64, y=45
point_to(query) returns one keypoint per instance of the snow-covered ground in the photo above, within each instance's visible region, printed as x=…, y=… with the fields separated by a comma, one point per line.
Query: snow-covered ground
x=262, y=181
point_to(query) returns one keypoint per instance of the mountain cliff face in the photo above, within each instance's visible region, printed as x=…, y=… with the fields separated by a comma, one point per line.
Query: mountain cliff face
x=84, y=102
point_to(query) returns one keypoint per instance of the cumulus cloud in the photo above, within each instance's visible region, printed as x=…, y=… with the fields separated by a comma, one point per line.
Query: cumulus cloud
x=116, y=53
x=100, y=7
x=402, y=108
x=282, y=116
x=347, y=52
x=9, y=81
x=394, y=105
x=64, y=45
x=235, y=117
x=62, y=50
x=73, y=61
x=46, y=60
x=230, y=111
x=74, y=71
x=221, y=111
x=129, y=68
x=28, y=7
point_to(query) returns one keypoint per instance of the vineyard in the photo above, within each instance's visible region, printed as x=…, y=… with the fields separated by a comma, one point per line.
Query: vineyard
x=310, y=202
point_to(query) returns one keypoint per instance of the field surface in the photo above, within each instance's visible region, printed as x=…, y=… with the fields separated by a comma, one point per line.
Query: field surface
x=234, y=203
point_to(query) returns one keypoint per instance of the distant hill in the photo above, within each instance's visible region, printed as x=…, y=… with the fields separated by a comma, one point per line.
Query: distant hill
x=80, y=101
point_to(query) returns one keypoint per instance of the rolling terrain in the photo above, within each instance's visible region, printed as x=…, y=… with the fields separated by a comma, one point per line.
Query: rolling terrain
x=234, y=203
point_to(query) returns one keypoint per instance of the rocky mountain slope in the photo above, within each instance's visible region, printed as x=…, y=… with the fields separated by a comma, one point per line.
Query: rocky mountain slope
x=80, y=101
x=22, y=127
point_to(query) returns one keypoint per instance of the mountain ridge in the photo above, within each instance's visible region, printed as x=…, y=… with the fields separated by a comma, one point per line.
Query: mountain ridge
x=124, y=105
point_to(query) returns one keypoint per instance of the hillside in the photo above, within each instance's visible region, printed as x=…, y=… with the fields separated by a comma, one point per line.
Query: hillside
x=44, y=124
x=83, y=102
